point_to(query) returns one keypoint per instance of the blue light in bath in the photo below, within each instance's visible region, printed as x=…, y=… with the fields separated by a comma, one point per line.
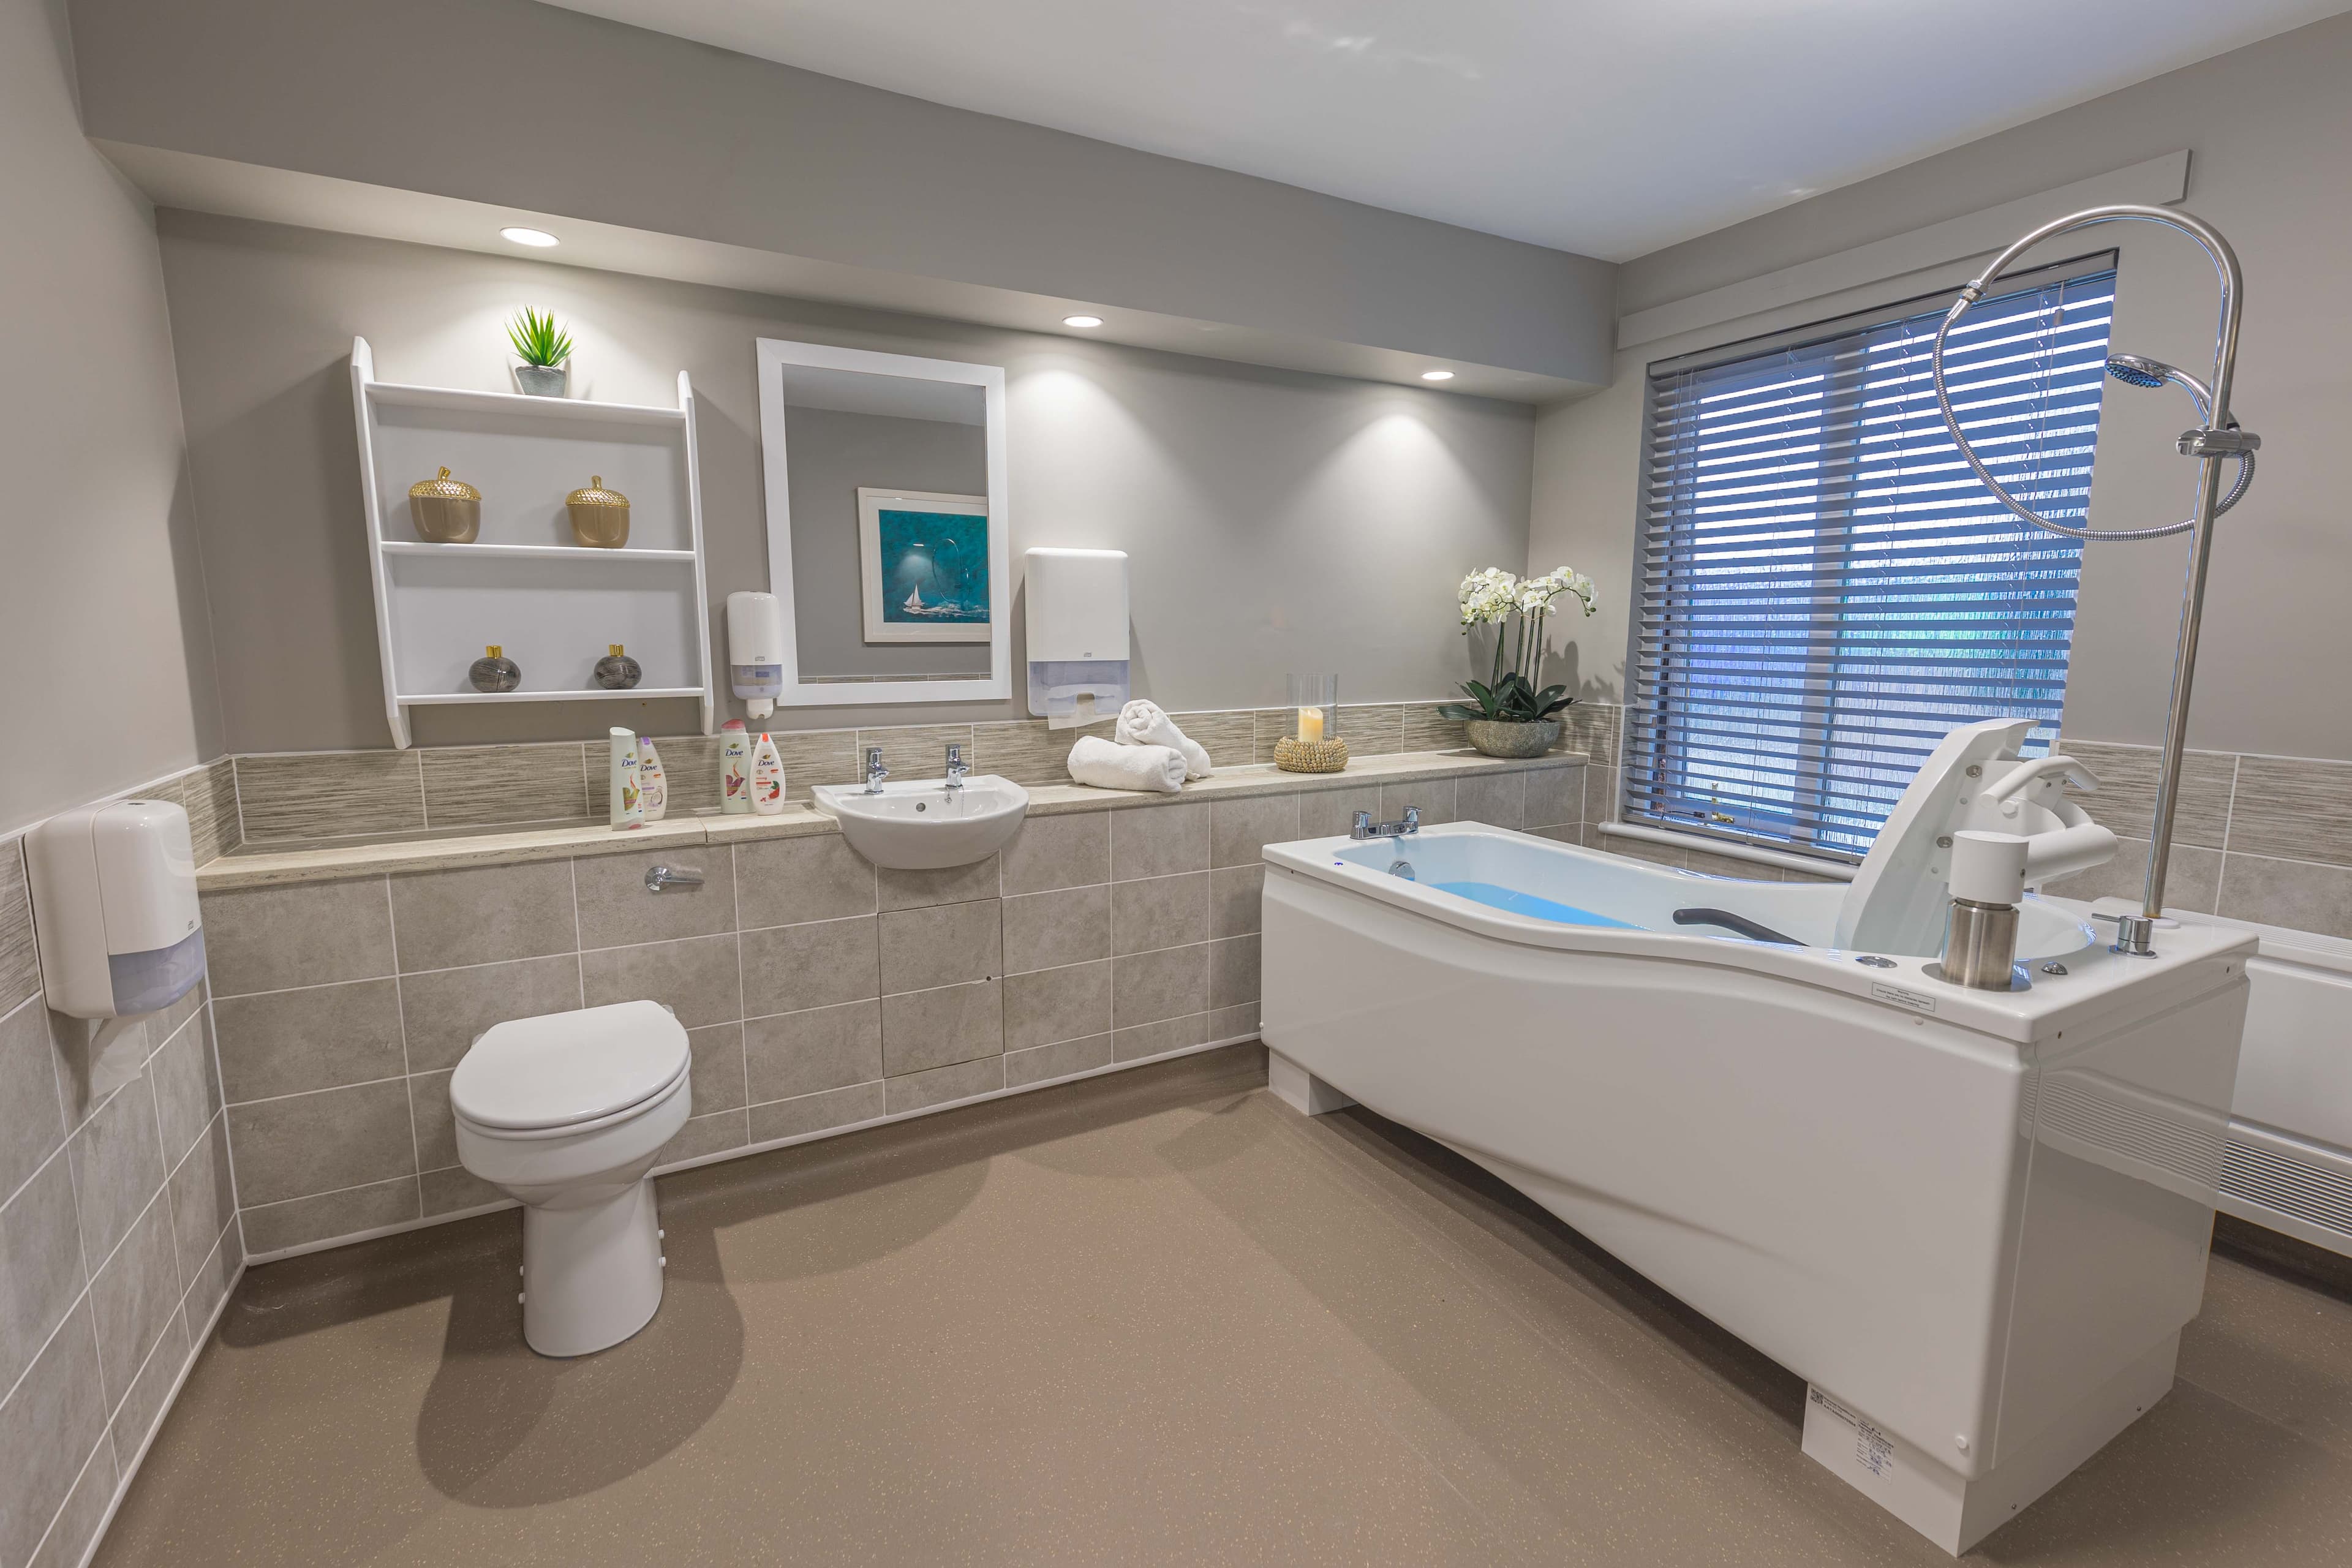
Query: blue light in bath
x=1513, y=902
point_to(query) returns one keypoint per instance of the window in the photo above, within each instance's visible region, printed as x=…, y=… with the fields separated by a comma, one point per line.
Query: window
x=1825, y=590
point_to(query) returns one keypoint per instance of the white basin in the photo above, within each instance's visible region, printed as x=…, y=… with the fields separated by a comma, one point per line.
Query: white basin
x=921, y=824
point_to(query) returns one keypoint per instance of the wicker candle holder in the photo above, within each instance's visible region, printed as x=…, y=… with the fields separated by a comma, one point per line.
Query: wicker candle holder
x=1296, y=756
x=1313, y=745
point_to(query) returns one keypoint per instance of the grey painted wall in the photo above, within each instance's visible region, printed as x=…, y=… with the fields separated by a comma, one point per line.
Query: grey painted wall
x=831, y=454
x=1276, y=520
x=660, y=134
x=2267, y=127
x=102, y=629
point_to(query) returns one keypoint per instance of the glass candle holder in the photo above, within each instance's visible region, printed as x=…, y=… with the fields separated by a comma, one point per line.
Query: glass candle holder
x=1311, y=743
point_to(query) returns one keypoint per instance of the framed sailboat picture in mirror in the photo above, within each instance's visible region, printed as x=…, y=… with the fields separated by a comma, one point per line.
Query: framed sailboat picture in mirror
x=924, y=566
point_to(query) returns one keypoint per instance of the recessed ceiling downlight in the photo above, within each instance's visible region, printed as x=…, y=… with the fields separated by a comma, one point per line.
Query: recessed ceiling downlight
x=1082, y=321
x=537, y=238
x=1437, y=375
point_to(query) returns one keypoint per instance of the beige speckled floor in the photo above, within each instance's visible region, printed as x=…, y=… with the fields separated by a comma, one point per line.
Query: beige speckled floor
x=1157, y=1318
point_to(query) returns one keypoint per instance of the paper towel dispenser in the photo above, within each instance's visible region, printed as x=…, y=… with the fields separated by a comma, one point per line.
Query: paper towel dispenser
x=1076, y=621
x=114, y=905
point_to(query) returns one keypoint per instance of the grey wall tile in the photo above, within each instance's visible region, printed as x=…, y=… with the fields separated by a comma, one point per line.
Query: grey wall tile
x=815, y=1112
x=1709, y=863
x=1573, y=833
x=952, y=885
x=1427, y=730
x=1160, y=912
x=1553, y=797
x=1375, y=731
x=83, y=1511
x=1159, y=840
x=916, y=750
x=701, y=1135
x=1640, y=849
x=1233, y=972
x=1602, y=792
x=20, y=959
x=926, y=1029
x=1134, y=1043
x=1229, y=734
x=789, y=881
x=273, y=1228
x=948, y=944
x=133, y=1297
x=1055, y=1005
x=330, y=794
x=150, y=1388
x=444, y=1011
x=1592, y=730
x=1498, y=799
x=814, y=757
x=435, y=1121
x=697, y=979
x=716, y=1078
x=2293, y=809
x=267, y=939
x=2192, y=877
x=40, y=1265
x=285, y=1042
x=32, y=1123
x=1028, y=753
x=2290, y=893
x=118, y=1164
x=1043, y=1063
x=1232, y=1023
x=453, y=1189
x=690, y=775
x=790, y=969
x=187, y=1088
x=1147, y=988
x=795, y=1054
x=308, y=1144
x=213, y=1278
x=47, y=1428
x=474, y=786
x=1239, y=829
x=204, y=1199
x=1044, y=930
x=485, y=914
x=615, y=910
x=920, y=1090
x=1050, y=852
x=1329, y=813
x=1268, y=725
x=2125, y=801
x=1236, y=899
x=1434, y=796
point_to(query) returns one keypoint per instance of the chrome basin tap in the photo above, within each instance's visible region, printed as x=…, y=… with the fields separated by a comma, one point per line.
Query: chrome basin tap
x=1365, y=828
x=874, y=772
x=956, y=768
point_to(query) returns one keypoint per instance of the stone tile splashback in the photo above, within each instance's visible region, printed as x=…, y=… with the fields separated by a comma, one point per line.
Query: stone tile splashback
x=118, y=1227
x=817, y=991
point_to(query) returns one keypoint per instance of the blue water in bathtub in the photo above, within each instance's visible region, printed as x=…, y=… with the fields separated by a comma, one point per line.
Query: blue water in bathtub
x=1512, y=902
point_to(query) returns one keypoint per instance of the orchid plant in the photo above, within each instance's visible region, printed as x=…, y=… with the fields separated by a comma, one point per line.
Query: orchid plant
x=1492, y=597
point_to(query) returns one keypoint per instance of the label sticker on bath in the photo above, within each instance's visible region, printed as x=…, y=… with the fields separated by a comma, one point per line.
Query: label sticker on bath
x=1872, y=1449
x=1918, y=1002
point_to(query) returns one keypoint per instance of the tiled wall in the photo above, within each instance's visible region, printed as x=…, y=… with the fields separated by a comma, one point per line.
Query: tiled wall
x=118, y=1242
x=816, y=990
x=324, y=796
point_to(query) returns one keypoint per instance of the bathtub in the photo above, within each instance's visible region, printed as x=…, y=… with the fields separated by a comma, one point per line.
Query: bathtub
x=1975, y=1222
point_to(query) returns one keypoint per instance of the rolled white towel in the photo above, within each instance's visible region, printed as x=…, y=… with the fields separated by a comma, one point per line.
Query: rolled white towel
x=1100, y=763
x=1142, y=724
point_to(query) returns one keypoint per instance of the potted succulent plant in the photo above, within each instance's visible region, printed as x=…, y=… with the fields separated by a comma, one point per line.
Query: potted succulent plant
x=545, y=352
x=1513, y=716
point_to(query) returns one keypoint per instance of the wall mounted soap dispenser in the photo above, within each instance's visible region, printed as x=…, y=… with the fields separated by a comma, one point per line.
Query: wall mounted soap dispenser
x=755, y=650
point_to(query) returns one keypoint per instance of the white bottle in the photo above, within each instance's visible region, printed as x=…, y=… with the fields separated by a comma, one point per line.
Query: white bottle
x=628, y=802
x=767, y=778
x=734, y=768
x=652, y=784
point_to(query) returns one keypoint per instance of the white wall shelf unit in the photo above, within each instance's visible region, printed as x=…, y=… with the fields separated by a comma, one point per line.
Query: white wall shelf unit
x=554, y=607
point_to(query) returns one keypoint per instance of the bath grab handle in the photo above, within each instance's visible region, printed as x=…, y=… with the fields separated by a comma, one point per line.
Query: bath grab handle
x=1730, y=922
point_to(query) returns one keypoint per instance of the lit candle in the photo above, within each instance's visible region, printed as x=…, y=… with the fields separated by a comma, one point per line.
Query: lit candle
x=1310, y=723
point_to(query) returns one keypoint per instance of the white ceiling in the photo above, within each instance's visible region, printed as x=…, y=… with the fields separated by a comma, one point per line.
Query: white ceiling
x=1606, y=127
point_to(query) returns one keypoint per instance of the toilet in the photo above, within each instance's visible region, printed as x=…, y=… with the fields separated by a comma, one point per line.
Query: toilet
x=566, y=1114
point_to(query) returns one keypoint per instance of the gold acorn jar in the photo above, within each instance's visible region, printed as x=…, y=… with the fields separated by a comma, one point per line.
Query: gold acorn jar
x=600, y=518
x=445, y=511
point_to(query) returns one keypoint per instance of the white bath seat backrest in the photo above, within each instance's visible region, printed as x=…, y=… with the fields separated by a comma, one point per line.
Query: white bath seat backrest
x=1895, y=903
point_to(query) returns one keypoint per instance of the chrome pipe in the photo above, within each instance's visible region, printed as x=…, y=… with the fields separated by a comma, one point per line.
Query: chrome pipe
x=2217, y=437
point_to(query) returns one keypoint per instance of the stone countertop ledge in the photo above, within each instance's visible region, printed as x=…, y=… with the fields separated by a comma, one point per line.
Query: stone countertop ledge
x=270, y=867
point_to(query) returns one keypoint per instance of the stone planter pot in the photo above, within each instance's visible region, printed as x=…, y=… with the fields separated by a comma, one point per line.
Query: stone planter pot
x=1497, y=738
x=543, y=380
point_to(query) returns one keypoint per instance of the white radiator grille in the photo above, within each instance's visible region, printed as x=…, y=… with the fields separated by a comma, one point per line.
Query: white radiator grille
x=2309, y=1184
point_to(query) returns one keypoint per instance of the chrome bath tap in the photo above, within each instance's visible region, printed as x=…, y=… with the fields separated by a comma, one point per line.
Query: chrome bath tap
x=1365, y=828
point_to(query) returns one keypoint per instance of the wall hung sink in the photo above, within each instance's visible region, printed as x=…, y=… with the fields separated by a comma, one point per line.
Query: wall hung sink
x=921, y=824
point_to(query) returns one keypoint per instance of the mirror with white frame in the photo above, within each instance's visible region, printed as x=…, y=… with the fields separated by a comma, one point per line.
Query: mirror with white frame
x=888, y=542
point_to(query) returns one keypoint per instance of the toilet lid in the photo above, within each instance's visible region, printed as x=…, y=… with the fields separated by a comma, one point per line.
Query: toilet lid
x=563, y=1068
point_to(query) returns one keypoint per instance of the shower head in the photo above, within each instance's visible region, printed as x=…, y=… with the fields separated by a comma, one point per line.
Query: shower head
x=2138, y=369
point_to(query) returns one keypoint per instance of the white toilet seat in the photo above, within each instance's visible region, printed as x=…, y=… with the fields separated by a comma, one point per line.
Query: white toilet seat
x=564, y=1071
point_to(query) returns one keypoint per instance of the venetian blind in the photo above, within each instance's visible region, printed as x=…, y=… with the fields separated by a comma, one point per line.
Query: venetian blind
x=1825, y=590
